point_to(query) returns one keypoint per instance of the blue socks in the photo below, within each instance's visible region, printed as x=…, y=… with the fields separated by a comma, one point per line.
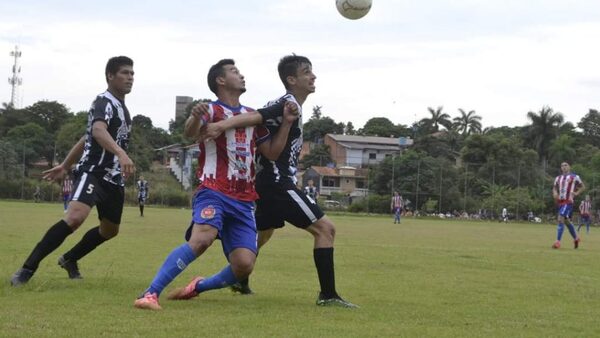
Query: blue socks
x=217, y=281
x=559, y=231
x=572, y=231
x=175, y=263
x=561, y=228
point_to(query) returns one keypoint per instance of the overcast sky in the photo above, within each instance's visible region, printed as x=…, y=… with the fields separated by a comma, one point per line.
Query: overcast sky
x=499, y=58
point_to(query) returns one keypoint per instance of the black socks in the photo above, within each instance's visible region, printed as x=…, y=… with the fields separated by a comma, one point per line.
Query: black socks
x=324, y=263
x=53, y=238
x=89, y=242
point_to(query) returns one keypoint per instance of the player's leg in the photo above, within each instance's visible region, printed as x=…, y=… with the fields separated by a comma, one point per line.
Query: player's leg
x=238, y=237
x=78, y=210
x=110, y=209
x=207, y=219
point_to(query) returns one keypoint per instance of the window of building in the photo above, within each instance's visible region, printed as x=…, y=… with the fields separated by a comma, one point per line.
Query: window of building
x=360, y=183
x=331, y=181
x=372, y=156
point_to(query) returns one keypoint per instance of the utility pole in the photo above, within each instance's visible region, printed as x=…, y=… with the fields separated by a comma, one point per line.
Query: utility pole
x=15, y=80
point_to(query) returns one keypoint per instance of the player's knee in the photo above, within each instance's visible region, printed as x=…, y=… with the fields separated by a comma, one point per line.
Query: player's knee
x=324, y=229
x=242, y=266
x=200, y=244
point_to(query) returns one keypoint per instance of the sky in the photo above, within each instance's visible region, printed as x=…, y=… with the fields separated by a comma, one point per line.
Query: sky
x=501, y=59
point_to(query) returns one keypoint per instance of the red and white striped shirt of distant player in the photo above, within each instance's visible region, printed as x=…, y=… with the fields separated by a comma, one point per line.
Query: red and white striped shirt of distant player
x=566, y=185
x=226, y=164
x=585, y=208
x=397, y=201
x=67, y=186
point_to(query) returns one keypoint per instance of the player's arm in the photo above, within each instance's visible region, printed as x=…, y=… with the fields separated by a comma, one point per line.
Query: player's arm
x=580, y=188
x=213, y=130
x=272, y=148
x=101, y=135
x=199, y=118
x=60, y=170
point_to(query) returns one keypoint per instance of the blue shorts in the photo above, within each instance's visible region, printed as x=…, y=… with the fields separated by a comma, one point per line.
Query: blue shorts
x=565, y=210
x=586, y=218
x=234, y=219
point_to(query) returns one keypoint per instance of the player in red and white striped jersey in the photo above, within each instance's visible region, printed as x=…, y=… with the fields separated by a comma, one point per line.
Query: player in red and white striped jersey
x=585, y=214
x=223, y=205
x=566, y=187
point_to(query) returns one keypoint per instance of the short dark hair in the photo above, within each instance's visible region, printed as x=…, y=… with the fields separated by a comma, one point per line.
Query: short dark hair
x=115, y=63
x=216, y=71
x=288, y=66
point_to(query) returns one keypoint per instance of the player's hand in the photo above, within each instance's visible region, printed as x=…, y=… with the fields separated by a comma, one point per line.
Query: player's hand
x=127, y=166
x=290, y=111
x=55, y=173
x=201, y=112
x=211, y=131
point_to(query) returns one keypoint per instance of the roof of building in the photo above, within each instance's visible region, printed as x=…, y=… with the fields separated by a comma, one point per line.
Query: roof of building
x=371, y=142
x=365, y=139
x=327, y=171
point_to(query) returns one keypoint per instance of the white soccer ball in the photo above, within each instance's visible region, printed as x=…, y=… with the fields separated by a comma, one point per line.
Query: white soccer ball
x=353, y=9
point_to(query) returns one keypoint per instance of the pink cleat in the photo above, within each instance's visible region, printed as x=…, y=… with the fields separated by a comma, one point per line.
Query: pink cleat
x=556, y=245
x=149, y=301
x=576, y=242
x=186, y=292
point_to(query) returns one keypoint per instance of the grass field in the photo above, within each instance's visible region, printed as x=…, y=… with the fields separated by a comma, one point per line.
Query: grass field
x=421, y=278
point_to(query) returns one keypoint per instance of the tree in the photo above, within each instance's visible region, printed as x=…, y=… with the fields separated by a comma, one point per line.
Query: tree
x=379, y=126
x=590, y=124
x=317, y=126
x=562, y=149
x=467, y=123
x=9, y=161
x=30, y=140
x=318, y=156
x=50, y=115
x=543, y=130
x=349, y=129
x=437, y=119
x=70, y=133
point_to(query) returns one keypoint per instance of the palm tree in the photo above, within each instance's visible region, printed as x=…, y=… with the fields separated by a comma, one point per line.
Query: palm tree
x=544, y=129
x=437, y=118
x=467, y=123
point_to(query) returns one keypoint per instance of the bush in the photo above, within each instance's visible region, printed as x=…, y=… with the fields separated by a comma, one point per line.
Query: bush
x=378, y=204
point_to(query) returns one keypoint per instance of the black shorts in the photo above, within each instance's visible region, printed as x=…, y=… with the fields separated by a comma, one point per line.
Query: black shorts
x=283, y=202
x=108, y=198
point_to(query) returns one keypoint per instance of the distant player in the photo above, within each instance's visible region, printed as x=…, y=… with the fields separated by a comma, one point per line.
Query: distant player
x=396, y=206
x=504, y=215
x=311, y=191
x=67, y=189
x=585, y=214
x=566, y=187
x=143, y=193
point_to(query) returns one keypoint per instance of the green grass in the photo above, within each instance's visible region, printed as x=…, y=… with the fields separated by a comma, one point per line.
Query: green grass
x=421, y=278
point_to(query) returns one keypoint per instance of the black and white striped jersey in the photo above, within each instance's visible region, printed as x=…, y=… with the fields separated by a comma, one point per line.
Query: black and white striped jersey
x=286, y=166
x=95, y=159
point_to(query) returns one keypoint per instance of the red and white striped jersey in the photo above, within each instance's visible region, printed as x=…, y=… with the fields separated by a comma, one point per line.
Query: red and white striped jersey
x=397, y=201
x=566, y=185
x=67, y=186
x=226, y=164
x=585, y=208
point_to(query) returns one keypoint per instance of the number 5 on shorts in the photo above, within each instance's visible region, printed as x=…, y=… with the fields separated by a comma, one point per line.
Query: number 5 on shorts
x=90, y=189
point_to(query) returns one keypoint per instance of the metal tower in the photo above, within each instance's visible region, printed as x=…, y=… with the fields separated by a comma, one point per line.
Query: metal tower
x=15, y=80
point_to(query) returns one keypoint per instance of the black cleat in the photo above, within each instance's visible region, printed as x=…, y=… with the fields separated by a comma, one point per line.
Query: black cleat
x=243, y=289
x=22, y=276
x=336, y=301
x=71, y=267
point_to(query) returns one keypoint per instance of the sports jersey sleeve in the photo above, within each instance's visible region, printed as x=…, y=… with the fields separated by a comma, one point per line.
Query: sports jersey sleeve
x=271, y=112
x=261, y=134
x=102, y=110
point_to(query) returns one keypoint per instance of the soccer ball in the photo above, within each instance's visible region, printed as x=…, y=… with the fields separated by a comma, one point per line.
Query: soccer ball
x=353, y=9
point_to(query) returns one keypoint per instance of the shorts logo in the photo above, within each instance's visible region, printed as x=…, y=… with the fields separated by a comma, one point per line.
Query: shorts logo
x=208, y=212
